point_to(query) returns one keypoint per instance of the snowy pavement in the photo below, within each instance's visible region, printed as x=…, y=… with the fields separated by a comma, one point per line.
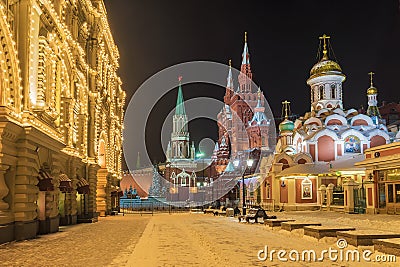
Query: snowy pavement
x=182, y=240
x=94, y=244
x=205, y=240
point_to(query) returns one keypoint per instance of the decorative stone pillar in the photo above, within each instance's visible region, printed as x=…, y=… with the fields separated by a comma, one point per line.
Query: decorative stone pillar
x=329, y=195
x=6, y=215
x=92, y=198
x=348, y=189
x=371, y=201
x=26, y=191
x=291, y=187
x=92, y=124
x=109, y=188
x=3, y=190
x=72, y=195
x=101, y=191
x=321, y=194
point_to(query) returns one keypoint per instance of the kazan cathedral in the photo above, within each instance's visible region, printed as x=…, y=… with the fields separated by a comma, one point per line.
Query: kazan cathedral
x=313, y=164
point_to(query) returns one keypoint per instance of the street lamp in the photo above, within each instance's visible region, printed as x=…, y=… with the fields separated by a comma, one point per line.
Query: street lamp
x=201, y=155
x=249, y=163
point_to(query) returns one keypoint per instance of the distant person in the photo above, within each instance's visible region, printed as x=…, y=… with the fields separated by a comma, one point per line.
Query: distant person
x=236, y=211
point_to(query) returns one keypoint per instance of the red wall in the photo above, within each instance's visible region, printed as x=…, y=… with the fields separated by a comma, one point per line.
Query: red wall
x=312, y=151
x=284, y=193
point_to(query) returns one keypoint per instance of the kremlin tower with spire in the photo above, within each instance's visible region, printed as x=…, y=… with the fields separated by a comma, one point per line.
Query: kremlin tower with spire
x=179, y=150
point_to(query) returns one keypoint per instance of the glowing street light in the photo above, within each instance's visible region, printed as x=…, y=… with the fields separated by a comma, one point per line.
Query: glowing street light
x=249, y=164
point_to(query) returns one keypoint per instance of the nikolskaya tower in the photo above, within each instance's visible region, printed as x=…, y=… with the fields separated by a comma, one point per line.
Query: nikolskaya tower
x=179, y=148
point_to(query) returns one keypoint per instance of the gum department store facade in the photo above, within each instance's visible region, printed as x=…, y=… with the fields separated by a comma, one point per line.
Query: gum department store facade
x=61, y=115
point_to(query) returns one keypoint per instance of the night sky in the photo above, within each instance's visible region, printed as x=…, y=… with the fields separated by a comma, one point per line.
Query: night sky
x=283, y=43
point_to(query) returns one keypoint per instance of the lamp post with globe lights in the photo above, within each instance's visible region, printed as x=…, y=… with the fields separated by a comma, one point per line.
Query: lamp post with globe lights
x=249, y=164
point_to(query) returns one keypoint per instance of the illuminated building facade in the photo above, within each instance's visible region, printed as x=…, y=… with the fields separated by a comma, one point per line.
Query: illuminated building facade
x=315, y=155
x=61, y=115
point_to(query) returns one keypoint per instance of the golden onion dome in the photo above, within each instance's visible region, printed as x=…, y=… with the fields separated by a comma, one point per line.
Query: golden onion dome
x=325, y=66
x=372, y=91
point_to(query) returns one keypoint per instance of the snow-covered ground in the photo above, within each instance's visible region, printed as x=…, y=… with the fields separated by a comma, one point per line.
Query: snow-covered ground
x=95, y=244
x=182, y=240
x=359, y=221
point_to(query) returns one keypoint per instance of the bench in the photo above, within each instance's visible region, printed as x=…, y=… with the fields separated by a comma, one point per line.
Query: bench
x=209, y=210
x=389, y=246
x=255, y=214
x=276, y=222
x=319, y=232
x=365, y=237
x=195, y=210
x=290, y=226
x=114, y=211
x=221, y=211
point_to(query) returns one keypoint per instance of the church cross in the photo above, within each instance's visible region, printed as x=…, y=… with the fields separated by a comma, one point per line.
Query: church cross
x=371, y=74
x=325, y=51
x=286, y=107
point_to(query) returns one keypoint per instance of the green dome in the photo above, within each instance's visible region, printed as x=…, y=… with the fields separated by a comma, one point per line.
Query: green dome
x=286, y=125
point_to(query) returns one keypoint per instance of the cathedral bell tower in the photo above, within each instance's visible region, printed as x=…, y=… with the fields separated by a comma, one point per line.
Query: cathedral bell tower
x=373, y=110
x=286, y=127
x=326, y=80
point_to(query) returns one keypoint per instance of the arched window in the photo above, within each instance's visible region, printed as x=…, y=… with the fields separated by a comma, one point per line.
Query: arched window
x=321, y=92
x=333, y=91
x=352, y=144
x=285, y=163
x=268, y=190
x=301, y=161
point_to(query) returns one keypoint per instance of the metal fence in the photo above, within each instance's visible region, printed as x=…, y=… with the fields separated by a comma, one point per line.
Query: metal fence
x=269, y=205
x=151, y=208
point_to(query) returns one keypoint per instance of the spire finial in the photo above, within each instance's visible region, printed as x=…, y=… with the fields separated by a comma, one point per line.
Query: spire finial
x=245, y=37
x=230, y=63
x=286, y=107
x=324, y=51
x=259, y=93
x=180, y=107
x=371, y=74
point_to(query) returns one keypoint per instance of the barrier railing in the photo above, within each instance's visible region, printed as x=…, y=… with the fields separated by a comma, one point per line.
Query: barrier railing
x=151, y=208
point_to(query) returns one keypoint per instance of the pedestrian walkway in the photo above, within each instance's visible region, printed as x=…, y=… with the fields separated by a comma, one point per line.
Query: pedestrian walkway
x=185, y=239
x=94, y=244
